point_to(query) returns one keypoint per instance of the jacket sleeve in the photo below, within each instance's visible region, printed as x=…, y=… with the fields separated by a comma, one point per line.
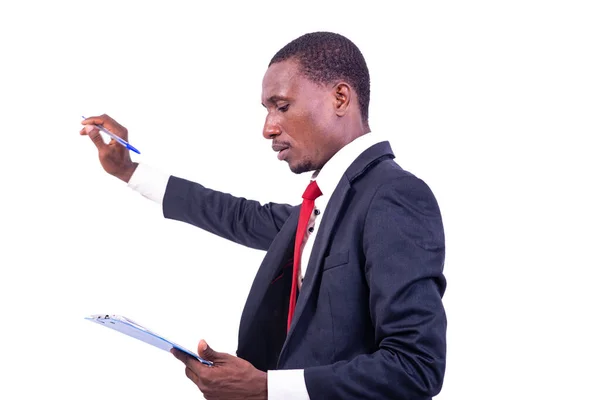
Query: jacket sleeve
x=403, y=243
x=246, y=222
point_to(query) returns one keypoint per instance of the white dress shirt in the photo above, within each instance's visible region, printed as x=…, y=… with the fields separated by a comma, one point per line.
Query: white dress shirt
x=152, y=184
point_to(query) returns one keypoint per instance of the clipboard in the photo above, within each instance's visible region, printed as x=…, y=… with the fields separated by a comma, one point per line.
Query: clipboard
x=135, y=330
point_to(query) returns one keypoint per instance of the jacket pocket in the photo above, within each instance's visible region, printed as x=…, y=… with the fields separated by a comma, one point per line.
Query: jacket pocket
x=335, y=260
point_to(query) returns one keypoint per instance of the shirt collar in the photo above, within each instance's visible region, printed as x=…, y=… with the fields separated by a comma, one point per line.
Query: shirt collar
x=329, y=176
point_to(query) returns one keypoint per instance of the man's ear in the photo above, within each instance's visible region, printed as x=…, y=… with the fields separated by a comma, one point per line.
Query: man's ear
x=343, y=97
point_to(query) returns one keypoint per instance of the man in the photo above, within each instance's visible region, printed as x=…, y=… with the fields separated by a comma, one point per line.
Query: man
x=348, y=307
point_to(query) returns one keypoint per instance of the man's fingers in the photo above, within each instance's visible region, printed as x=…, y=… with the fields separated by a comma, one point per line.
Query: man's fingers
x=95, y=136
x=97, y=120
x=87, y=129
x=181, y=356
x=191, y=365
x=108, y=123
x=186, y=358
x=191, y=375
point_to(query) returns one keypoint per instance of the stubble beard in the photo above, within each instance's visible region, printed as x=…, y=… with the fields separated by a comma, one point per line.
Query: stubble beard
x=305, y=165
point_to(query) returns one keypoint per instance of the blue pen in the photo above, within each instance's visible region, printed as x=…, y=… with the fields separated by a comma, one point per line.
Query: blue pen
x=115, y=137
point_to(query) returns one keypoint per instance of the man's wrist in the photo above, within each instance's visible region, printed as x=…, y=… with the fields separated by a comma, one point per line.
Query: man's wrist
x=127, y=172
x=261, y=386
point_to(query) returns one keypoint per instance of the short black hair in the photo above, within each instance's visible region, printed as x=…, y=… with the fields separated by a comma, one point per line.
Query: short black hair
x=325, y=57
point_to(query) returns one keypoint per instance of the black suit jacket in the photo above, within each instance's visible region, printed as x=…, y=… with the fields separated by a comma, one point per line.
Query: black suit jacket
x=369, y=320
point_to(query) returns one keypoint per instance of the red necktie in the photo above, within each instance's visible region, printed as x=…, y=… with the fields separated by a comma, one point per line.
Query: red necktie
x=309, y=196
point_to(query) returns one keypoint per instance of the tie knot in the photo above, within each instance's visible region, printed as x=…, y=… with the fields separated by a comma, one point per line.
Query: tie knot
x=312, y=191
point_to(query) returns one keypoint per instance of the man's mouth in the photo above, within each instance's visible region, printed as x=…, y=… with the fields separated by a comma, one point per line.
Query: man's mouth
x=281, y=149
x=282, y=153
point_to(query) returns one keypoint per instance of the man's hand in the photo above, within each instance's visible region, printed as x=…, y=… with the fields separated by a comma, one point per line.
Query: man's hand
x=229, y=378
x=114, y=158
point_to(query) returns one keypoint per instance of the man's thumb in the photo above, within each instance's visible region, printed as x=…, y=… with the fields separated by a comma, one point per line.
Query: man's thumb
x=94, y=134
x=206, y=352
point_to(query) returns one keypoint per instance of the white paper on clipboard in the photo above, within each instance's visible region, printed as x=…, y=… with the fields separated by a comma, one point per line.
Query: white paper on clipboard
x=135, y=330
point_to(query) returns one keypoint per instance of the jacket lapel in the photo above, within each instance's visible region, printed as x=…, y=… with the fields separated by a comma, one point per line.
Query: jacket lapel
x=271, y=266
x=332, y=212
x=317, y=255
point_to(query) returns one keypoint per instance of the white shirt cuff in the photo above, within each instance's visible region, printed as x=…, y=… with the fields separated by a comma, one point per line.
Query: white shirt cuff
x=286, y=384
x=149, y=182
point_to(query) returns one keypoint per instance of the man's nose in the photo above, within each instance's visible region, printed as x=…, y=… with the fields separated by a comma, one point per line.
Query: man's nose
x=271, y=129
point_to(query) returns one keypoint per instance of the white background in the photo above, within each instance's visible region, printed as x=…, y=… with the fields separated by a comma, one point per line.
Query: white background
x=494, y=104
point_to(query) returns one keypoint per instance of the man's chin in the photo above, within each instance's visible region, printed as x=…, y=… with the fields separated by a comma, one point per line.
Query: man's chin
x=300, y=168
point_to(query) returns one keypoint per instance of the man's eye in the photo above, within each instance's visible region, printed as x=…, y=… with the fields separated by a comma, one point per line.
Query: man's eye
x=283, y=108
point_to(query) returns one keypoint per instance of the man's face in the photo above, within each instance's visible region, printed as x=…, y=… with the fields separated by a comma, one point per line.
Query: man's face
x=300, y=117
